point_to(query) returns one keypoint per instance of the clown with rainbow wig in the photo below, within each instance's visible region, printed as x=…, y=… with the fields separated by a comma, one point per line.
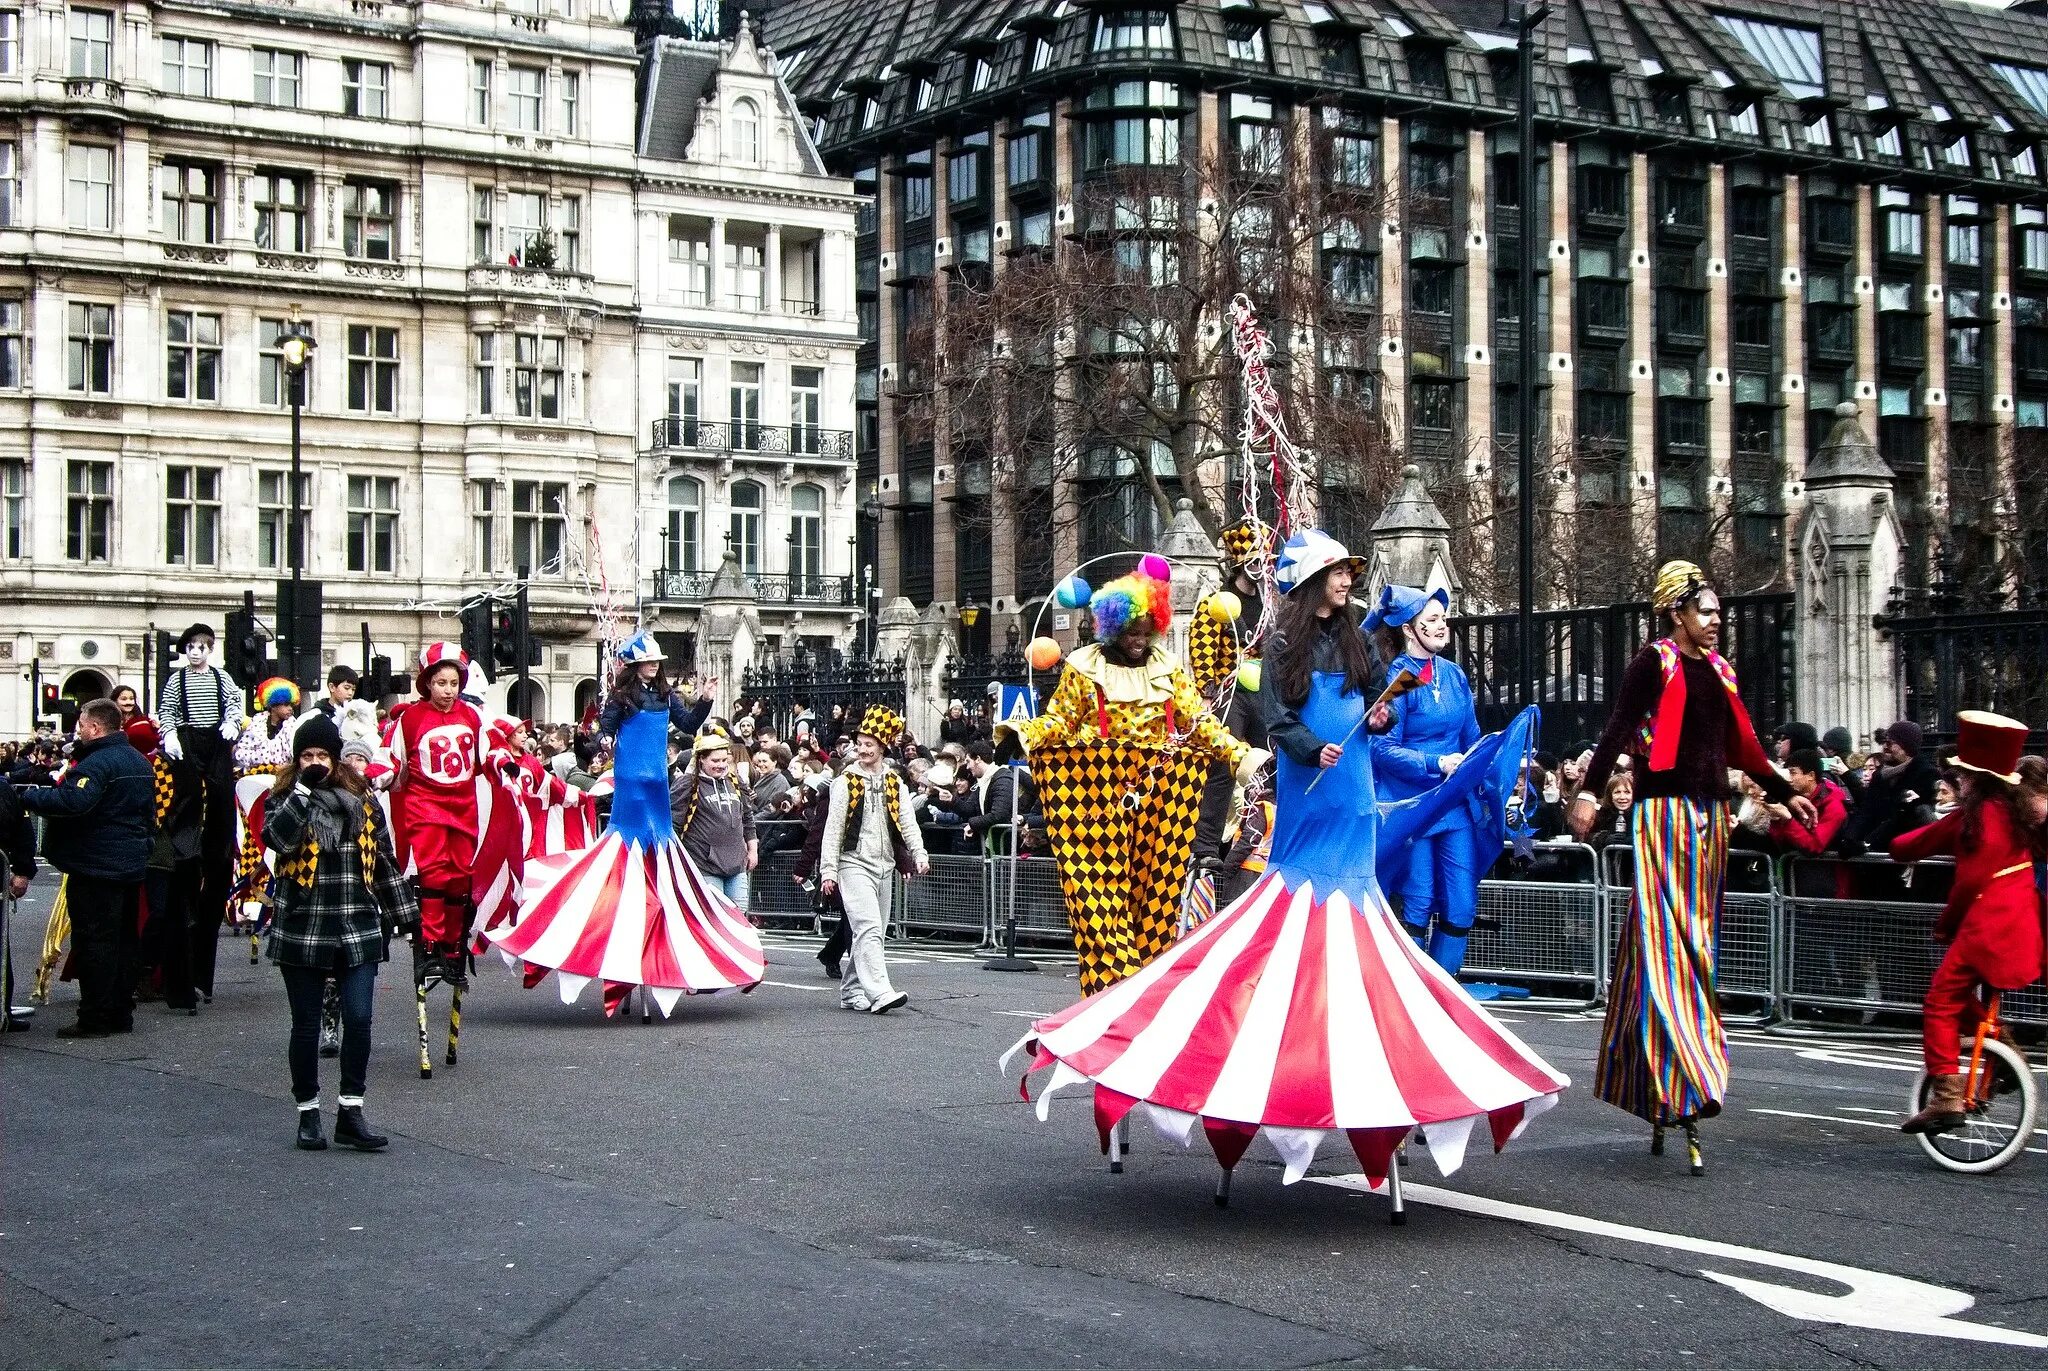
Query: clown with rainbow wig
x=1120, y=754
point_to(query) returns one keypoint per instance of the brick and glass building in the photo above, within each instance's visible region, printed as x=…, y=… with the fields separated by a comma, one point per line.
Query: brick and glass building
x=1747, y=214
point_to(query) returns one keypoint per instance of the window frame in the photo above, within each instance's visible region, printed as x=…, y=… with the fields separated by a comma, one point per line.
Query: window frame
x=373, y=360
x=88, y=511
x=89, y=350
x=192, y=515
x=267, y=83
x=193, y=356
x=371, y=547
x=355, y=85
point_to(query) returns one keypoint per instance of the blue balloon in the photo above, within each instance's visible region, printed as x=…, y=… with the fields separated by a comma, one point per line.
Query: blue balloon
x=1073, y=592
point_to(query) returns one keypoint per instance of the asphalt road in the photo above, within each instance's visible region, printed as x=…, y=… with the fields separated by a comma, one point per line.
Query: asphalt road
x=768, y=1181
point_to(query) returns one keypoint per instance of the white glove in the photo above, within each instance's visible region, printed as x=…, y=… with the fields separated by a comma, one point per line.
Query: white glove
x=230, y=730
x=252, y=910
x=174, y=748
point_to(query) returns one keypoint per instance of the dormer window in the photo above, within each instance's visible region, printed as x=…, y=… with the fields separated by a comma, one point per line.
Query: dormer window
x=2029, y=83
x=1788, y=52
x=984, y=74
x=925, y=94
x=743, y=133
x=1147, y=31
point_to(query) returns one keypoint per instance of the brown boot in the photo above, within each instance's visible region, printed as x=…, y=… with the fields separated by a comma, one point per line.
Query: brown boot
x=1944, y=1109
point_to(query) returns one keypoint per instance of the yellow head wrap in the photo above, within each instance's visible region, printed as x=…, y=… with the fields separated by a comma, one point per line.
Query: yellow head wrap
x=1677, y=582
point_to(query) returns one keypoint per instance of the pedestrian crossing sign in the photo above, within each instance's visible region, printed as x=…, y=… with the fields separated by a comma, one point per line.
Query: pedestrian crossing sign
x=1017, y=704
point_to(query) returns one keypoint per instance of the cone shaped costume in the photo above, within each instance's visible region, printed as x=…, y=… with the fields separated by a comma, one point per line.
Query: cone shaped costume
x=631, y=910
x=1303, y=1009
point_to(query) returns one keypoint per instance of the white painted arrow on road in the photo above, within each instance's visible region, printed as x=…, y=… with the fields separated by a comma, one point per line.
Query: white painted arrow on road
x=1875, y=1300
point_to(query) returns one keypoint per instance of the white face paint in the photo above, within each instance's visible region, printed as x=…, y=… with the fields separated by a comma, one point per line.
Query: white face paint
x=196, y=652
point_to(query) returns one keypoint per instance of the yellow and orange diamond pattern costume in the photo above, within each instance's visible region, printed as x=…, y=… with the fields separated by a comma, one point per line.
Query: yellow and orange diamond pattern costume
x=1119, y=756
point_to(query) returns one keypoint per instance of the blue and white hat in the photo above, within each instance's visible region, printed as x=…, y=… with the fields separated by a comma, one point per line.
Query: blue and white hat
x=641, y=647
x=1401, y=604
x=1306, y=553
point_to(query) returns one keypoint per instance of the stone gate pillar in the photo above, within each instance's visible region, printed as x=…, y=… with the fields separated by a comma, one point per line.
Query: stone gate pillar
x=1848, y=559
x=1410, y=545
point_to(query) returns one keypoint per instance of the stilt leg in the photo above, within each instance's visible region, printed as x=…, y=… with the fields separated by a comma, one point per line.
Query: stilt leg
x=1399, y=1214
x=646, y=1005
x=255, y=946
x=454, y=1022
x=1693, y=1154
x=1117, y=1148
x=1401, y=1153
x=1223, y=1189
x=426, y=1062
x=1657, y=1140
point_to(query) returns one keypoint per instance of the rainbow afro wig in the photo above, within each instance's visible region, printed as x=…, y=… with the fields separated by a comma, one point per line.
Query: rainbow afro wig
x=277, y=691
x=1145, y=593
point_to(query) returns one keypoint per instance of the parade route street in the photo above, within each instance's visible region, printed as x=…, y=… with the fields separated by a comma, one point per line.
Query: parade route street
x=768, y=1181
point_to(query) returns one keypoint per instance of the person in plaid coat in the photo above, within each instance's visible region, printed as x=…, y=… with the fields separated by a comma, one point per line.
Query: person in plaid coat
x=336, y=893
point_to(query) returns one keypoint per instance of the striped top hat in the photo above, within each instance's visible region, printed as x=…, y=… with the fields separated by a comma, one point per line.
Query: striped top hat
x=881, y=723
x=1991, y=744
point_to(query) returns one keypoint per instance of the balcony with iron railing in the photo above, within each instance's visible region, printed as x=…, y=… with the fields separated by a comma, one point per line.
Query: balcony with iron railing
x=690, y=587
x=678, y=436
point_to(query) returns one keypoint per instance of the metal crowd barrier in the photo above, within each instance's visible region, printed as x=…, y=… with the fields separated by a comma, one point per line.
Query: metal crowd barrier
x=954, y=898
x=1540, y=925
x=1747, y=940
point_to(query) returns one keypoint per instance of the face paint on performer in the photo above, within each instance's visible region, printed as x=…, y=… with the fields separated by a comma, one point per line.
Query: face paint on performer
x=1698, y=622
x=444, y=685
x=196, y=653
x=1429, y=632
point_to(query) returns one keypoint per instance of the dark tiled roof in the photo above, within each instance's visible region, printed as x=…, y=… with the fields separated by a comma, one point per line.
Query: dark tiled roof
x=678, y=74
x=1917, y=55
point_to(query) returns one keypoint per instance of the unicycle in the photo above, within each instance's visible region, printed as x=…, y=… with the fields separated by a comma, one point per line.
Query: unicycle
x=2000, y=1100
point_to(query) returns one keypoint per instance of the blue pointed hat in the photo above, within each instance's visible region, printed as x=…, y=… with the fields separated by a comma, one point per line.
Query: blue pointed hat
x=1400, y=604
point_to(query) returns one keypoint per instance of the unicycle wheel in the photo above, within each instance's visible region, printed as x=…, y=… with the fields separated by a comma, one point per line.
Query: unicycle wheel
x=1999, y=1122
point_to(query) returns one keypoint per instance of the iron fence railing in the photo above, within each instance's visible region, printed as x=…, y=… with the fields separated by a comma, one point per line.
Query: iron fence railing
x=769, y=590
x=741, y=437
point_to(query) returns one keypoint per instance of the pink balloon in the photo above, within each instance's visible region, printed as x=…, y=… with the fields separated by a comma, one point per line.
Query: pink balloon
x=1155, y=566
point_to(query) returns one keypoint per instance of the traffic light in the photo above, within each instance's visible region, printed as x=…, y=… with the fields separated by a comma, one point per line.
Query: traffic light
x=476, y=637
x=46, y=707
x=504, y=640
x=243, y=647
x=166, y=657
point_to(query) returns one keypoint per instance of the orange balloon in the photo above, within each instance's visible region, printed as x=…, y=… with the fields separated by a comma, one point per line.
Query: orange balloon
x=1043, y=654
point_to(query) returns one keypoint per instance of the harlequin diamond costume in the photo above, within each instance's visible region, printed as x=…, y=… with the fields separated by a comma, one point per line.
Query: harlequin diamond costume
x=1664, y=1055
x=263, y=747
x=1223, y=635
x=1303, y=1009
x=630, y=909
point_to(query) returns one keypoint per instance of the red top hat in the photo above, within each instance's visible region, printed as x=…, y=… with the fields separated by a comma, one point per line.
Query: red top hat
x=1990, y=743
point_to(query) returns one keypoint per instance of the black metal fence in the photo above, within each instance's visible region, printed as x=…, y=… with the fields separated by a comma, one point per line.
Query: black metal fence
x=789, y=684
x=967, y=678
x=1995, y=660
x=1582, y=653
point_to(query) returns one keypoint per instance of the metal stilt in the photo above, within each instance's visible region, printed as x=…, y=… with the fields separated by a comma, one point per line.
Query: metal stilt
x=420, y=997
x=1223, y=1189
x=1399, y=1213
x=454, y=1021
x=1117, y=1148
x=1657, y=1140
x=1695, y=1157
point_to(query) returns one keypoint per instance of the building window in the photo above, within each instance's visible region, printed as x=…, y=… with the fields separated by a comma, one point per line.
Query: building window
x=480, y=73
x=10, y=42
x=92, y=44
x=743, y=133
x=2029, y=83
x=89, y=511
x=685, y=381
x=917, y=198
x=744, y=536
x=89, y=187
x=277, y=77
x=1791, y=54
x=373, y=523
x=483, y=524
x=1136, y=139
x=13, y=509
x=746, y=274
x=369, y=220
x=537, y=376
x=484, y=224
x=365, y=89
x=192, y=516
x=569, y=93
x=1026, y=156
x=806, y=409
x=984, y=74
x=540, y=522
x=372, y=369
x=689, y=247
x=191, y=355
x=11, y=376
x=190, y=201
x=1903, y=228
x=1965, y=245
x=10, y=183
x=280, y=199
x=685, y=523
x=963, y=169
x=89, y=347
x=524, y=87
x=485, y=348
x=526, y=220
x=274, y=514
x=188, y=66
x=273, y=378
x=807, y=533
x=1245, y=42
x=569, y=234
x=745, y=403
x=1135, y=31
x=1041, y=54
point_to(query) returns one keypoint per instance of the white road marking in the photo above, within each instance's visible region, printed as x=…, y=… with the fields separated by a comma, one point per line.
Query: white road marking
x=1874, y=1299
x=1893, y=1126
x=792, y=985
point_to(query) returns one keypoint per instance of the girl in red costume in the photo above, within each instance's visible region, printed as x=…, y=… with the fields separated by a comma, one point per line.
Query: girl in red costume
x=437, y=746
x=1992, y=923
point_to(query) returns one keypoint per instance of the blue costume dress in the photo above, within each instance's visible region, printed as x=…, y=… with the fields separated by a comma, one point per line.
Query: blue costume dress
x=1438, y=876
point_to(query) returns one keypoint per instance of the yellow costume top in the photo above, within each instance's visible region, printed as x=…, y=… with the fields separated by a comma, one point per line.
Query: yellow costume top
x=1144, y=706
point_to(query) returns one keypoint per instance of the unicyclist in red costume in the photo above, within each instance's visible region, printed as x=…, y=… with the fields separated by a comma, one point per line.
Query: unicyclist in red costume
x=436, y=745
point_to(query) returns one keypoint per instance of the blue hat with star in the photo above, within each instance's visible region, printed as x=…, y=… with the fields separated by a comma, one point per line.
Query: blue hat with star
x=1400, y=604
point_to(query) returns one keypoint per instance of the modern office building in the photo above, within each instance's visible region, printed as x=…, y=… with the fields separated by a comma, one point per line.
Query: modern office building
x=1747, y=214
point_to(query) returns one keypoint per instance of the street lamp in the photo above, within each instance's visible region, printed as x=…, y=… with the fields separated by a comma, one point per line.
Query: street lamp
x=296, y=346
x=1528, y=16
x=871, y=511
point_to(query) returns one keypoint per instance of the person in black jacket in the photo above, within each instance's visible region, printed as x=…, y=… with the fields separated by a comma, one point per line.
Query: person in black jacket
x=98, y=831
x=1899, y=798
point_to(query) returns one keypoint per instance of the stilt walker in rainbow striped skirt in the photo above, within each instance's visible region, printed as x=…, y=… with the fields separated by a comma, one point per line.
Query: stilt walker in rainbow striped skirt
x=1664, y=1056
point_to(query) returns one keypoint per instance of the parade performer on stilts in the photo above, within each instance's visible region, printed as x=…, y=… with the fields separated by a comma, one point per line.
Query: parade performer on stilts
x=1119, y=756
x=1992, y=922
x=199, y=710
x=1302, y=1009
x=631, y=910
x=1664, y=1054
x=1437, y=876
x=438, y=809
x=1224, y=635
